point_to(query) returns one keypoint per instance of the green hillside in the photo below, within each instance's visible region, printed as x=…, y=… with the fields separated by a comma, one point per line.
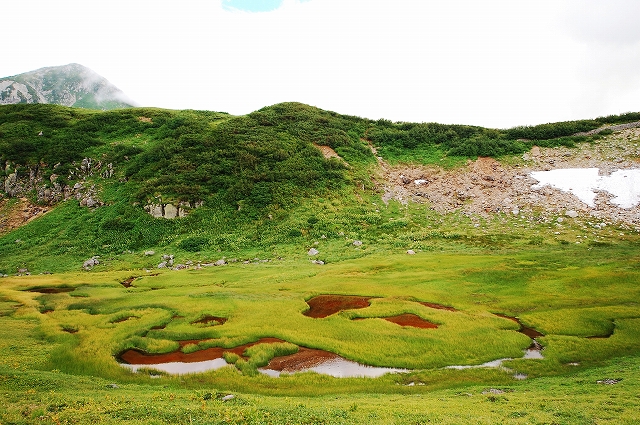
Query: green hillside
x=261, y=178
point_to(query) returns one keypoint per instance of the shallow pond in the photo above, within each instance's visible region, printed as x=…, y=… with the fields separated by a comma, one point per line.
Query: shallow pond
x=341, y=368
x=406, y=319
x=52, y=290
x=325, y=305
x=437, y=306
x=180, y=368
x=624, y=185
x=306, y=359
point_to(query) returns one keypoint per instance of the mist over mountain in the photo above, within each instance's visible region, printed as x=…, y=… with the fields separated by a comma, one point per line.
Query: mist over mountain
x=68, y=85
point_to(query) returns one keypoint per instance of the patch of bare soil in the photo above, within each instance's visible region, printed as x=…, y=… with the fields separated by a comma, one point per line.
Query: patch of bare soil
x=18, y=214
x=407, y=319
x=328, y=152
x=325, y=305
x=305, y=358
x=485, y=187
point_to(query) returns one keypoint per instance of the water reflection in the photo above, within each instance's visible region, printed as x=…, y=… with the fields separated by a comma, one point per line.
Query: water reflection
x=341, y=368
x=180, y=368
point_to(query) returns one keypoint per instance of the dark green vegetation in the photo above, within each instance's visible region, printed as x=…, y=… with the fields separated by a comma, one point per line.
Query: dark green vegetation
x=262, y=180
x=408, y=142
x=269, y=195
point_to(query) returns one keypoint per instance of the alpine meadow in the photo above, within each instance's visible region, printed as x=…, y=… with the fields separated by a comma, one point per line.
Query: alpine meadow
x=195, y=267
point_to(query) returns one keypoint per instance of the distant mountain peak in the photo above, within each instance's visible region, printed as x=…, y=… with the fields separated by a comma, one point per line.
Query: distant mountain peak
x=67, y=85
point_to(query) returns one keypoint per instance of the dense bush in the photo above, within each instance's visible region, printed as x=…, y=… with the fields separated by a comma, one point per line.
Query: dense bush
x=469, y=141
x=249, y=159
x=194, y=243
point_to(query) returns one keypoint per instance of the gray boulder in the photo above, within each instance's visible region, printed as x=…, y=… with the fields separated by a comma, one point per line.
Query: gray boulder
x=571, y=214
x=91, y=263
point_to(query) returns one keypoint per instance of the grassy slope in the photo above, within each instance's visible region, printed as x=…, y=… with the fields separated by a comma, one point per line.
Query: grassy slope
x=567, y=291
x=559, y=291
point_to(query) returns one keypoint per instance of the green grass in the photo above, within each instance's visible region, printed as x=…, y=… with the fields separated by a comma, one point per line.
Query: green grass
x=59, y=350
x=559, y=293
x=31, y=394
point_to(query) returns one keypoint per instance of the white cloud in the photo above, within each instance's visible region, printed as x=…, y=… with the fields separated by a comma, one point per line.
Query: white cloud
x=494, y=63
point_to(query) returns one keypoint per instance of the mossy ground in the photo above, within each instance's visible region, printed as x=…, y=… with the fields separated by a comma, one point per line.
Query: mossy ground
x=568, y=293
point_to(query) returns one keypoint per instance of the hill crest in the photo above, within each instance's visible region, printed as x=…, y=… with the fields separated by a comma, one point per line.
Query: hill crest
x=68, y=85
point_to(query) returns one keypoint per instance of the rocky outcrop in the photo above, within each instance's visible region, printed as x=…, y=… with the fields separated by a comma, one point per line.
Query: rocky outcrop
x=91, y=263
x=21, y=181
x=170, y=211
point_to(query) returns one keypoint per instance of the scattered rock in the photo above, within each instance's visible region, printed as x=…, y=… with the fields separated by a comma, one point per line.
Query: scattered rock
x=357, y=243
x=493, y=391
x=571, y=214
x=318, y=262
x=149, y=253
x=313, y=251
x=609, y=381
x=411, y=252
x=91, y=263
x=162, y=265
x=220, y=262
x=228, y=397
x=113, y=386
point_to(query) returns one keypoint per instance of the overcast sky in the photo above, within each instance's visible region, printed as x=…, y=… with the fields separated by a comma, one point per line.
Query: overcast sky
x=494, y=63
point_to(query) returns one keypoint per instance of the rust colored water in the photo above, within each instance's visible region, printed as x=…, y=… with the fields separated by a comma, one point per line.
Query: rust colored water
x=211, y=320
x=127, y=282
x=326, y=305
x=530, y=332
x=406, y=319
x=412, y=320
x=139, y=358
x=305, y=358
x=438, y=306
x=52, y=290
x=325, y=363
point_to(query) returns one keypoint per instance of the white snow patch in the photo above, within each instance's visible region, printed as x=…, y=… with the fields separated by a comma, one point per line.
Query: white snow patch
x=624, y=185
